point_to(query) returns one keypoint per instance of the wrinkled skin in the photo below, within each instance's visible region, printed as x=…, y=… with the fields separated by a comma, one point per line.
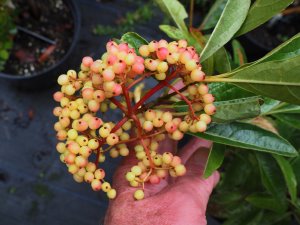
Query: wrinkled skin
x=174, y=201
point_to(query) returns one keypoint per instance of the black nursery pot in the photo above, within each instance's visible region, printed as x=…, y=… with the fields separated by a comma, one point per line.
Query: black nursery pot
x=48, y=76
x=265, y=38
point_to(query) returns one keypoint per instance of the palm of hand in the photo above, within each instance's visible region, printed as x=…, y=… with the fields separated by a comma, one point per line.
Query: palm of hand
x=179, y=201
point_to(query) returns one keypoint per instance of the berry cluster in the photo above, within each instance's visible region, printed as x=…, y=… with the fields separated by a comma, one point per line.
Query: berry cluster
x=110, y=83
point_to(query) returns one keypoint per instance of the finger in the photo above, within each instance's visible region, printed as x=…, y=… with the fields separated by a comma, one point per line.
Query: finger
x=191, y=147
x=195, y=165
x=167, y=145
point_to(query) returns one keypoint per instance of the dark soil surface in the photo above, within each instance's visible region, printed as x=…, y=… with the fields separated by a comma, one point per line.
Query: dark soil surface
x=49, y=18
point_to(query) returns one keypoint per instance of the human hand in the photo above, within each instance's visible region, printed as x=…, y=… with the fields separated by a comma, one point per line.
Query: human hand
x=174, y=201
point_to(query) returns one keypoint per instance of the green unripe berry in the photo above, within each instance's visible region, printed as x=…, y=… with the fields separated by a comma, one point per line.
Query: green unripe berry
x=111, y=194
x=90, y=167
x=124, y=151
x=77, y=178
x=73, y=169
x=162, y=67
x=139, y=194
x=157, y=160
x=106, y=187
x=160, y=76
x=180, y=170
x=144, y=51
x=93, y=144
x=136, y=170
x=134, y=183
x=63, y=80
x=167, y=117
x=61, y=147
x=85, y=151
x=191, y=65
x=72, y=134
x=130, y=176
x=167, y=157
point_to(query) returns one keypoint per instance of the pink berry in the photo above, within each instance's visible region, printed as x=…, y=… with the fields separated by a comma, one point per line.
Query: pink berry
x=175, y=161
x=139, y=59
x=170, y=127
x=111, y=59
x=154, y=179
x=87, y=93
x=117, y=90
x=162, y=53
x=208, y=98
x=119, y=67
x=99, y=95
x=82, y=125
x=123, y=47
x=138, y=68
x=95, y=123
x=108, y=74
x=87, y=61
x=58, y=96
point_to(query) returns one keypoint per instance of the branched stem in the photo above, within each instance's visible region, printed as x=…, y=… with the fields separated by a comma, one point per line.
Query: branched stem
x=118, y=104
x=184, y=99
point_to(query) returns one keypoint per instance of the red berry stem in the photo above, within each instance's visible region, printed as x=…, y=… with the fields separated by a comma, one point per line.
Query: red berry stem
x=127, y=99
x=118, y=104
x=146, y=75
x=153, y=91
x=184, y=99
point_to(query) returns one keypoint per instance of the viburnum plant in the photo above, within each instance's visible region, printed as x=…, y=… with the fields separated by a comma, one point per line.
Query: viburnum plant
x=112, y=81
x=200, y=89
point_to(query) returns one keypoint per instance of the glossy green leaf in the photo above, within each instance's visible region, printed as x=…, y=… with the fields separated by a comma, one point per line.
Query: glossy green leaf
x=227, y=91
x=237, y=109
x=272, y=179
x=249, y=137
x=289, y=119
x=275, y=79
x=232, y=110
x=175, y=10
x=232, y=18
x=222, y=62
x=261, y=11
x=269, y=105
x=286, y=108
x=173, y=32
x=215, y=159
x=239, y=55
x=134, y=40
x=289, y=176
x=212, y=17
x=208, y=66
x=264, y=201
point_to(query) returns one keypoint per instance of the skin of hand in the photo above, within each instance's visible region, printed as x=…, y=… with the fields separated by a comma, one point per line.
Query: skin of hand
x=174, y=201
